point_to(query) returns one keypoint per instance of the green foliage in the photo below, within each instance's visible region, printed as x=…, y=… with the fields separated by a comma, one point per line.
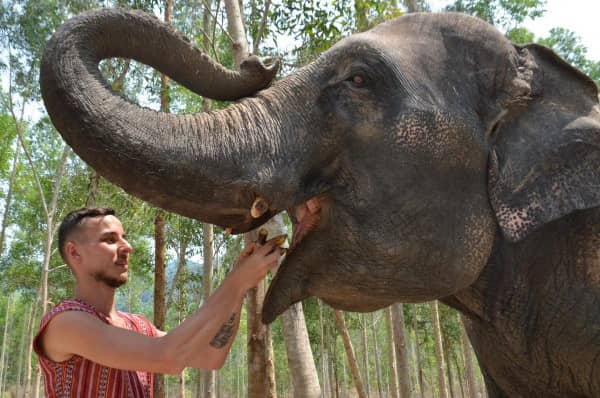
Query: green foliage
x=507, y=14
x=520, y=35
x=568, y=45
x=318, y=24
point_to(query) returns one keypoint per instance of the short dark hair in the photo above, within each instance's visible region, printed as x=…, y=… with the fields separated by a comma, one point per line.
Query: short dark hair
x=73, y=220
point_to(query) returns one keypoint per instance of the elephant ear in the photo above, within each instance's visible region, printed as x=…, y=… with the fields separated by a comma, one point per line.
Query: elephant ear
x=545, y=149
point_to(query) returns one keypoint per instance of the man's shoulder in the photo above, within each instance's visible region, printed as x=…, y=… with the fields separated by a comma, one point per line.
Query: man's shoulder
x=69, y=305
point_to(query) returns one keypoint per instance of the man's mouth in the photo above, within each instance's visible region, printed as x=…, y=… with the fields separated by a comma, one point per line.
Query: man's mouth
x=305, y=218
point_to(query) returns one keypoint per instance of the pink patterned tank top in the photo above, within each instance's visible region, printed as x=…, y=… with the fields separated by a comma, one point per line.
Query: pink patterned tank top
x=80, y=377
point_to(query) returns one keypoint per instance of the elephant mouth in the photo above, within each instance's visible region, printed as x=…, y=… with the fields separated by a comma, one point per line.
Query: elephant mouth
x=305, y=218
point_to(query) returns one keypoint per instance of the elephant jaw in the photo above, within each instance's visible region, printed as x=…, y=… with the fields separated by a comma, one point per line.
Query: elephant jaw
x=289, y=284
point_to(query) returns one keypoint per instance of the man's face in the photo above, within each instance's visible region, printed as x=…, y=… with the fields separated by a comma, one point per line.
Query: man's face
x=102, y=251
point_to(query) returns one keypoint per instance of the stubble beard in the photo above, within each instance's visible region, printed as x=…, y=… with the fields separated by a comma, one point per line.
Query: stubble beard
x=111, y=281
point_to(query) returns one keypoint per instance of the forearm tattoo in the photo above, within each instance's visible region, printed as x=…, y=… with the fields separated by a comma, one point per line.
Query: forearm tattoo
x=222, y=337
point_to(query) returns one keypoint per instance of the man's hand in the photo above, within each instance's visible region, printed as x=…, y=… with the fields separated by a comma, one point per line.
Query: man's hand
x=255, y=261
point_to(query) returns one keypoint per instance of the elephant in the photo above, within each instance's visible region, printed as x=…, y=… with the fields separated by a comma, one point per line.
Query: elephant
x=426, y=158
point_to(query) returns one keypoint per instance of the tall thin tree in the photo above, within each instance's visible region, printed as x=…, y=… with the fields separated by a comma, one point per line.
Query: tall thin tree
x=350, y=356
x=401, y=350
x=439, y=350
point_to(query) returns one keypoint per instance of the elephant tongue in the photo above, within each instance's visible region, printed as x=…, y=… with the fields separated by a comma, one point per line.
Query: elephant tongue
x=307, y=216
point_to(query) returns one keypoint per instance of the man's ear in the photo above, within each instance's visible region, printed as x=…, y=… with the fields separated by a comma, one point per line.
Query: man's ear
x=545, y=156
x=72, y=252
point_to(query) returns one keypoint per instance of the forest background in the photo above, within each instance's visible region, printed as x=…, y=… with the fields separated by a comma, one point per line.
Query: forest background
x=406, y=350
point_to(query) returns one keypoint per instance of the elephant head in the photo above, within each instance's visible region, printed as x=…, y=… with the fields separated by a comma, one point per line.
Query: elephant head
x=402, y=153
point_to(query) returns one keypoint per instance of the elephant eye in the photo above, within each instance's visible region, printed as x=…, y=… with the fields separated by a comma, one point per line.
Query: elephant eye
x=357, y=80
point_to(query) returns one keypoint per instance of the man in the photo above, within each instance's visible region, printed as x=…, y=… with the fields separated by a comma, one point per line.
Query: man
x=88, y=348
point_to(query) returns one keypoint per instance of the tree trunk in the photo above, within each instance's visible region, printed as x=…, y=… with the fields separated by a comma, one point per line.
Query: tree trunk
x=92, y=196
x=468, y=358
x=21, y=352
x=439, y=350
x=341, y=326
x=459, y=375
x=208, y=376
x=401, y=350
x=181, y=382
x=235, y=27
x=447, y=355
x=31, y=329
x=160, y=310
x=362, y=21
x=257, y=350
x=9, y=194
x=301, y=364
x=365, y=350
x=392, y=353
x=38, y=382
x=335, y=383
x=376, y=352
x=418, y=354
x=270, y=365
x=7, y=319
x=159, y=289
x=412, y=5
x=257, y=377
x=324, y=355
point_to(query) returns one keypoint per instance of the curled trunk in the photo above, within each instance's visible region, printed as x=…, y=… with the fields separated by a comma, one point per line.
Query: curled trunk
x=195, y=165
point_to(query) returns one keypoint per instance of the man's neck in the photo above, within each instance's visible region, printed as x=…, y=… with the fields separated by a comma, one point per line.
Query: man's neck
x=100, y=296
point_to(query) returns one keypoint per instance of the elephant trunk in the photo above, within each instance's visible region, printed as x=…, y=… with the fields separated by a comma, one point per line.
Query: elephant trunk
x=210, y=166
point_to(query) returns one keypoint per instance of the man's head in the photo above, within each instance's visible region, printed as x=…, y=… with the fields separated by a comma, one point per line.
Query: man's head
x=92, y=242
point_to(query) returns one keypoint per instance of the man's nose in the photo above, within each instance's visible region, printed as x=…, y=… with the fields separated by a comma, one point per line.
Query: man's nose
x=125, y=247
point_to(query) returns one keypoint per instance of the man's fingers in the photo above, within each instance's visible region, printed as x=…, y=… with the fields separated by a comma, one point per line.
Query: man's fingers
x=249, y=249
x=270, y=245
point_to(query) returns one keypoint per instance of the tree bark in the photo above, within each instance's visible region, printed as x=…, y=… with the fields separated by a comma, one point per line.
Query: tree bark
x=468, y=358
x=341, y=326
x=7, y=320
x=261, y=28
x=365, y=350
x=301, y=364
x=208, y=376
x=439, y=350
x=257, y=376
x=376, y=352
x=324, y=355
x=235, y=27
x=412, y=5
x=92, y=196
x=31, y=328
x=159, y=289
x=21, y=352
x=160, y=309
x=392, y=353
x=9, y=194
x=418, y=354
x=401, y=350
x=447, y=355
x=270, y=365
